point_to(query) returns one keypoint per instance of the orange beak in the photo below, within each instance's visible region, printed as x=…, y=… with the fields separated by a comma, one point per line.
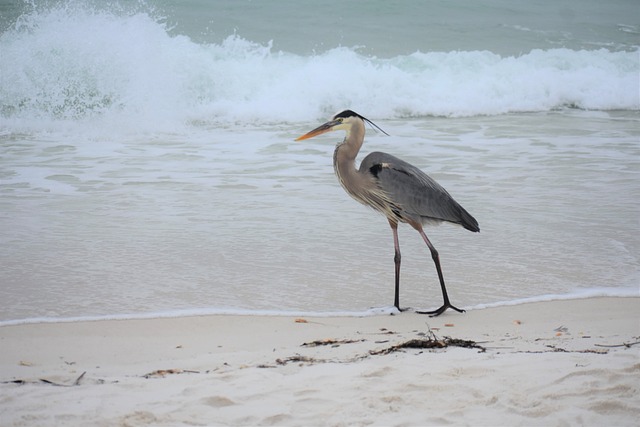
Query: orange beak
x=327, y=127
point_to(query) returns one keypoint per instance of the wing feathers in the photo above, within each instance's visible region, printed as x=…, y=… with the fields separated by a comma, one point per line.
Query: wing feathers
x=419, y=196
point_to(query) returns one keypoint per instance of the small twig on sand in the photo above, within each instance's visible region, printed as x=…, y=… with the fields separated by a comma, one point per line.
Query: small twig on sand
x=75, y=383
x=164, y=372
x=624, y=344
x=299, y=358
x=329, y=341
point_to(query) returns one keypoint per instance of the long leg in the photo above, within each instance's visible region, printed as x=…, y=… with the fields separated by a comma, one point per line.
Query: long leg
x=396, y=259
x=436, y=260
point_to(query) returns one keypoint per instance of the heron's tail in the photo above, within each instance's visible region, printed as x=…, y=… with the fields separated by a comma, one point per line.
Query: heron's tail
x=468, y=221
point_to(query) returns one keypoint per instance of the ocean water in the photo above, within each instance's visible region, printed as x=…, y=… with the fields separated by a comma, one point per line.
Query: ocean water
x=148, y=168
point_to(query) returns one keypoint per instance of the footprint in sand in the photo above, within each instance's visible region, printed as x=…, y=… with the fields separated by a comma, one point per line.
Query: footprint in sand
x=218, y=401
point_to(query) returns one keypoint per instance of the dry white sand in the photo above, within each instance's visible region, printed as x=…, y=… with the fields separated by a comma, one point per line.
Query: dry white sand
x=554, y=363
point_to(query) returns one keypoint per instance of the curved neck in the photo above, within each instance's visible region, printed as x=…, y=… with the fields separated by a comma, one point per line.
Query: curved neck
x=347, y=150
x=344, y=158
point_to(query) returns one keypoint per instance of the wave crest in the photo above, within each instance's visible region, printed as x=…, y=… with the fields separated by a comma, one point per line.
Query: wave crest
x=82, y=64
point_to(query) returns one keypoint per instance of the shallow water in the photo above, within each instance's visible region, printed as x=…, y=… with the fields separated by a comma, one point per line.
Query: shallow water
x=147, y=163
x=191, y=221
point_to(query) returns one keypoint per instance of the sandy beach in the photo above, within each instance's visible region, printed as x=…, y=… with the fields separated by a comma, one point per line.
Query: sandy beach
x=163, y=232
x=573, y=362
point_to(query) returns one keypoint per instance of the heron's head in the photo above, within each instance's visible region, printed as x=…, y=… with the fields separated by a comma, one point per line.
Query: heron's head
x=344, y=120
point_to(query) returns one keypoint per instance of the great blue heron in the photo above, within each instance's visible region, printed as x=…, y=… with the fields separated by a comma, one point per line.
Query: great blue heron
x=395, y=188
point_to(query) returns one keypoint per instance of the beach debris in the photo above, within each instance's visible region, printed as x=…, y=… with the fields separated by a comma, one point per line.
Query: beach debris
x=555, y=349
x=562, y=350
x=301, y=320
x=329, y=341
x=75, y=383
x=429, y=343
x=19, y=382
x=298, y=358
x=25, y=363
x=517, y=322
x=558, y=349
x=449, y=325
x=624, y=344
x=561, y=330
x=161, y=373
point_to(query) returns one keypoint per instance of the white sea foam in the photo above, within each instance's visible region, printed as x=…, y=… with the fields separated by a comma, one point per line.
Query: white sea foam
x=113, y=69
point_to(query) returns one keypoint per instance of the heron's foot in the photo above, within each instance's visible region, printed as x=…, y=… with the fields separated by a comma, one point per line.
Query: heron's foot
x=441, y=310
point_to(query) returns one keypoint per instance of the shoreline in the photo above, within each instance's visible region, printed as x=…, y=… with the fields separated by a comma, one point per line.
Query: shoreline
x=624, y=292
x=545, y=362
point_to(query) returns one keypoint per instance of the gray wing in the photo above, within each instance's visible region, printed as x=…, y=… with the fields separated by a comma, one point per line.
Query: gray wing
x=418, y=196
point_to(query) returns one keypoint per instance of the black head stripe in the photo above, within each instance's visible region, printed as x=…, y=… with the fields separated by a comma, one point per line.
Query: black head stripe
x=349, y=113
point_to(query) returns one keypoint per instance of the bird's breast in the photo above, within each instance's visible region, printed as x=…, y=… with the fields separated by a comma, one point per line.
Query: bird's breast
x=363, y=187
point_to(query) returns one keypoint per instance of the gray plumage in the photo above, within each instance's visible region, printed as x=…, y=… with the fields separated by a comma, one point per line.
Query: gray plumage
x=395, y=188
x=418, y=196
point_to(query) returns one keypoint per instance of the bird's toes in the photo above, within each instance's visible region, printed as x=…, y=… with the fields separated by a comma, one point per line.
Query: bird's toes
x=441, y=310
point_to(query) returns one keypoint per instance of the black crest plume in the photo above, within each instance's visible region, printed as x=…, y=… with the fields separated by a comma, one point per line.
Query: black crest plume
x=349, y=113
